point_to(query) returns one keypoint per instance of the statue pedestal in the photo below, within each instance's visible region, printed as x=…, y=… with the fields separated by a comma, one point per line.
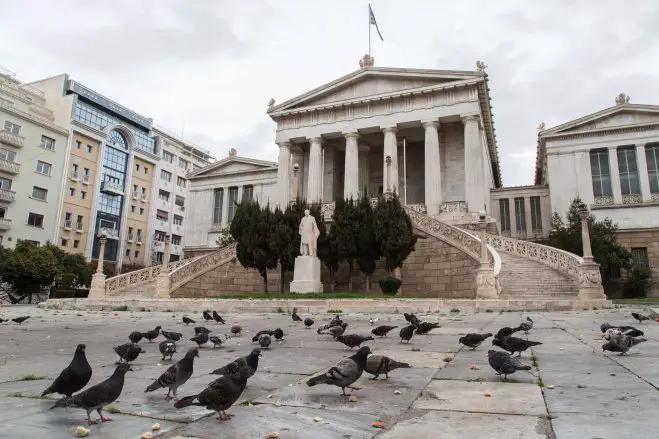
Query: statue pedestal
x=306, y=275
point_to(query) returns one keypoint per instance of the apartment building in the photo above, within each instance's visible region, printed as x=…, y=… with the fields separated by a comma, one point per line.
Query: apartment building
x=32, y=162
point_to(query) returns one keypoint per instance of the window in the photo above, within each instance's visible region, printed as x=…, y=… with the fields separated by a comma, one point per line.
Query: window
x=180, y=181
x=141, y=211
x=3, y=212
x=5, y=184
x=640, y=257
x=652, y=159
x=132, y=209
x=65, y=242
x=520, y=215
x=139, y=235
x=146, y=170
x=179, y=201
x=233, y=202
x=29, y=241
x=160, y=236
x=164, y=175
x=144, y=193
x=504, y=213
x=78, y=144
x=35, y=220
x=159, y=256
x=176, y=239
x=13, y=128
x=83, y=195
x=163, y=195
x=183, y=164
x=137, y=166
x=76, y=243
x=135, y=190
x=89, y=148
x=536, y=214
x=67, y=216
x=600, y=174
x=628, y=170
x=74, y=170
x=137, y=253
x=168, y=156
x=130, y=233
x=86, y=172
x=217, y=206
x=44, y=168
x=10, y=156
x=72, y=191
x=39, y=193
x=47, y=143
x=178, y=220
x=162, y=215
x=248, y=193
x=128, y=252
x=79, y=222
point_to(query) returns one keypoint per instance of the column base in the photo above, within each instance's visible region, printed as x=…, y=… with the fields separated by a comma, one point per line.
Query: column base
x=306, y=275
x=590, y=282
x=97, y=288
x=486, y=284
x=162, y=286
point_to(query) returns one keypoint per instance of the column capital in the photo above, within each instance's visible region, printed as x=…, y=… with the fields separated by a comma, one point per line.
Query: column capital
x=430, y=123
x=364, y=148
x=284, y=144
x=469, y=118
x=612, y=148
x=351, y=135
x=316, y=140
x=640, y=145
x=392, y=129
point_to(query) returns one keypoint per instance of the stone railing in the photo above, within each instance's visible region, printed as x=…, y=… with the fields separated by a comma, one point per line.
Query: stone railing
x=200, y=265
x=560, y=260
x=496, y=259
x=140, y=277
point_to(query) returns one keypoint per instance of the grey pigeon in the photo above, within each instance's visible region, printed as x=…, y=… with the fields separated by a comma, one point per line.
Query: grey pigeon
x=167, y=347
x=381, y=331
x=278, y=334
x=504, y=364
x=426, y=327
x=236, y=330
x=377, y=364
x=74, y=377
x=128, y=351
x=135, y=337
x=627, y=330
x=474, y=340
x=187, y=320
x=220, y=394
x=353, y=340
x=217, y=340
x=171, y=335
x=412, y=319
x=308, y=322
x=260, y=333
x=296, y=318
x=20, y=320
x=251, y=361
x=406, y=333
x=345, y=372
x=207, y=315
x=176, y=375
x=264, y=341
x=152, y=334
x=506, y=331
x=640, y=317
x=621, y=343
x=514, y=344
x=201, y=329
x=99, y=395
x=218, y=318
x=337, y=331
x=526, y=325
x=200, y=338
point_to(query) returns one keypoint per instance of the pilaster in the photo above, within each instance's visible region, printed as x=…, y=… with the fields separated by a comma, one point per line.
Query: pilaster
x=615, y=175
x=315, y=171
x=351, y=176
x=643, y=176
x=432, y=168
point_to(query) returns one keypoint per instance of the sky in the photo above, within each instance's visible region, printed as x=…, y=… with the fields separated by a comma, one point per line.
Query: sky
x=206, y=69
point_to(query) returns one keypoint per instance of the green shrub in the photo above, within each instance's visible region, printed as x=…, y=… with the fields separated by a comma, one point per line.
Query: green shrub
x=638, y=283
x=390, y=285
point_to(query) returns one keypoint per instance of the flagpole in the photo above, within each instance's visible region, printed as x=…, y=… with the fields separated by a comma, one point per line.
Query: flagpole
x=369, y=29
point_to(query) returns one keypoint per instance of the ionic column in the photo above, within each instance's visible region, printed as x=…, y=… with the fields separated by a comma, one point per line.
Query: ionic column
x=643, y=176
x=390, y=182
x=315, y=170
x=432, y=169
x=225, y=206
x=351, y=173
x=297, y=158
x=363, y=171
x=473, y=164
x=615, y=175
x=528, y=218
x=283, y=174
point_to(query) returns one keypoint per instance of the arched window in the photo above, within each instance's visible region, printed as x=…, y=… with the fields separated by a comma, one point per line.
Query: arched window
x=115, y=138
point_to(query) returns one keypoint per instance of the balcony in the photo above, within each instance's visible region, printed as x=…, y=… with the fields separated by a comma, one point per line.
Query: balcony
x=5, y=224
x=9, y=167
x=7, y=195
x=138, y=240
x=85, y=179
x=79, y=227
x=112, y=187
x=74, y=175
x=143, y=198
x=130, y=237
x=12, y=139
x=67, y=224
x=109, y=233
x=135, y=195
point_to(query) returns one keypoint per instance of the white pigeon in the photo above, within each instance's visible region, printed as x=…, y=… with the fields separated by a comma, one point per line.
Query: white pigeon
x=373, y=320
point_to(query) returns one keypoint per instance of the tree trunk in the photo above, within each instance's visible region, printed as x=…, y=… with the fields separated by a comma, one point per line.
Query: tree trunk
x=368, y=283
x=265, y=281
x=281, y=281
x=350, y=266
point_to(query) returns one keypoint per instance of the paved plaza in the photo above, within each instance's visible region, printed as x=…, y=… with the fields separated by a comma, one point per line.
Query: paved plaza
x=450, y=391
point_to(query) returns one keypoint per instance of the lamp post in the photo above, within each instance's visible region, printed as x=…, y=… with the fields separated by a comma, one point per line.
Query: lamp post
x=97, y=288
x=102, y=239
x=165, y=257
x=387, y=160
x=296, y=183
x=591, y=291
x=483, y=225
x=486, y=282
x=585, y=236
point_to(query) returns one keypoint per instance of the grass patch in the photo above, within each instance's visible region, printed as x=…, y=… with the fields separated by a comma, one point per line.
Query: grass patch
x=455, y=310
x=112, y=410
x=540, y=383
x=16, y=394
x=637, y=300
x=279, y=296
x=334, y=311
x=168, y=310
x=489, y=310
x=534, y=361
x=120, y=308
x=32, y=378
x=280, y=310
x=448, y=359
x=141, y=309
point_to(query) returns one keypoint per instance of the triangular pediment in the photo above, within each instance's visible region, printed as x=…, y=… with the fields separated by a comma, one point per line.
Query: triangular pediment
x=373, y=81
x=620, y=116
x=233, y=165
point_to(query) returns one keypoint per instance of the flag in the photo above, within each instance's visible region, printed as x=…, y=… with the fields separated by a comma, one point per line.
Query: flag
x=373, y=22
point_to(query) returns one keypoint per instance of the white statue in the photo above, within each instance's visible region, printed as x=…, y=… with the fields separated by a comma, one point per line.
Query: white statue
x=309, y=234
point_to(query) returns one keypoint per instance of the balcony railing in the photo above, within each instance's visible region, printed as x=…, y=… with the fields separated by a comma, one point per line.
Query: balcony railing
x=85, y=179
x=130, y=237
x=135, y=195
x=12, y=139
x=138, y=240
x=74, y=175
x=143, y=197
x=79, y=227
x=5, y=224
x=9, y=167
x=7, y=195
x=109, y=232
x=112, y=187
x=67, y=224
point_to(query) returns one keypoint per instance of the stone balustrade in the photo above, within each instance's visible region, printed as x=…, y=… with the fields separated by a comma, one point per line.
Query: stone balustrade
x=140, y=277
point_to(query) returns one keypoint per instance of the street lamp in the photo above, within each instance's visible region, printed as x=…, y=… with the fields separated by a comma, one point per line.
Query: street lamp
x=102, y=239
x=482, y=215
x=585, y=235
x=387, y=160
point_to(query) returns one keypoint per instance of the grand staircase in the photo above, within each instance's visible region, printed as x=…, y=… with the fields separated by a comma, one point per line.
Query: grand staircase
x=528, y=279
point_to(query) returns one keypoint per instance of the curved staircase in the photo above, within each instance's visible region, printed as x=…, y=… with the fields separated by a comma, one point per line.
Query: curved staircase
x=531, y=280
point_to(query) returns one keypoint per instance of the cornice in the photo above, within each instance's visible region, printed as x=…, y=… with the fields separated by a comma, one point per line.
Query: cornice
x=237, y=173
x=635, y=128
x=94, y=131
x=33, y=119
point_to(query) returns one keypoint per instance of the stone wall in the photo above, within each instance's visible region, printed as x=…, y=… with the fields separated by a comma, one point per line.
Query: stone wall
x=648, y=239
x=434, y=269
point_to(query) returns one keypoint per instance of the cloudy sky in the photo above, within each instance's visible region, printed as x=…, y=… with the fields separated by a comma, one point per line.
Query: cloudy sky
x=207, y=68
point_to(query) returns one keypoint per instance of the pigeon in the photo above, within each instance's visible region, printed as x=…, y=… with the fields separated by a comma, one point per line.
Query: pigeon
x=621, y=343
x=74, y=377
x=20, y=320
x=627, y=330
x=514, y=344
x=152, y=334
x=336, y=320
x=308, y=322
x=220, y=394
x=504, y=363
x=200, y=329
x=167, y=347
x=218, y=318
x=98, y=396
x=264, y=341
x=236, y=330
x=251, y=361
x=171, y=335
x=474, y=340
x=260, y=333
x=353, y=340
x=526, y=325
x=207, y=315
x=337, y=331
x=176, y=375
x=406, y=333
x=296, y=318
x=217, y=340
x=381, y=331
x=187, y=320
x=373, y=320
x=377, y=364
x=412, y=319
x=200, y=338
x=425, y=327
x=506, y=331
x=128, y=351
x=640, y=317
x=135, y=336
x=278, y=334
x=345, y=372
x=3, y=320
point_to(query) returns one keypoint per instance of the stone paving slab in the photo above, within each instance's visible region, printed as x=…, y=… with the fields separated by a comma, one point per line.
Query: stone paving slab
x=624, y=426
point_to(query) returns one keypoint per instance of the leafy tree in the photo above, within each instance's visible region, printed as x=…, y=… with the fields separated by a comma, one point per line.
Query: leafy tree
x=286, y=240
x=393, y=231
x=605, y=248
x=225, y=239
x=368, y=251
x=252, y=227
x=345, y=232
x=26, y=269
